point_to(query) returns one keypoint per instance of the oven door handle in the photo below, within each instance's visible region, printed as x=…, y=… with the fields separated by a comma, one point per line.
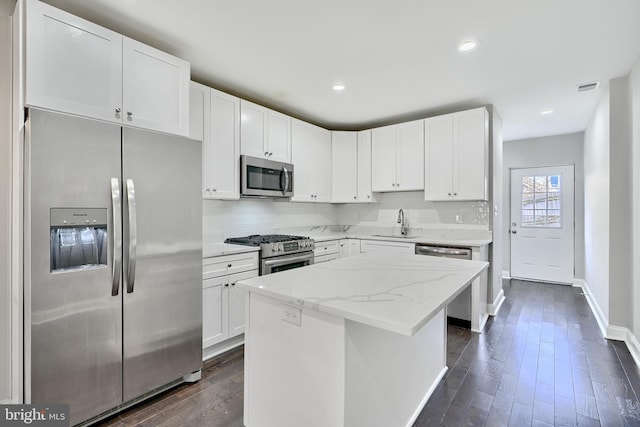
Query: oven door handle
x=282, y=260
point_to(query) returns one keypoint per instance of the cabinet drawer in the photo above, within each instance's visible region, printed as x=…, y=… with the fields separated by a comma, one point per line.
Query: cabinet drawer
x=326, y=248
x=229, y=264
x=317, y=259
x=382, y=246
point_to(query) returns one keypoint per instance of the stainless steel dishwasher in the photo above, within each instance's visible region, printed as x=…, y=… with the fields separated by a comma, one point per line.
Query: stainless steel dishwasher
x=458, y=310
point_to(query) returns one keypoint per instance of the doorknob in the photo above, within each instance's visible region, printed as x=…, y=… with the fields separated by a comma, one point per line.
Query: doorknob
x=514, y=231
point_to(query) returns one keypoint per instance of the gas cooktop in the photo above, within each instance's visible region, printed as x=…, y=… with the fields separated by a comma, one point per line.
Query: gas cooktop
x=275, y=244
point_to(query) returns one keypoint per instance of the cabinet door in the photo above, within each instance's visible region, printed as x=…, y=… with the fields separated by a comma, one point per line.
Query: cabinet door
x=302, y=153
x=470, y=154
x=73, y=65
x=311, y=156
x=214, y=311
x=223, y=153
x=322, y=159
x=344, y=248
x=278, y=136
x=383, y=159
x=354, y=246
x=236, y=300
x=344, y=171
x=199, y=128
x=253, y=129
x=438, y=158
x=155, y=89
x=364, y=167
x=410, y=156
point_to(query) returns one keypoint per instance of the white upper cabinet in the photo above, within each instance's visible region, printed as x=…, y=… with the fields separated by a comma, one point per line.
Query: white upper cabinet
x=397, y=157
x=265, y=133
x=155, y=91
x=364, y=167
x=344, y=166
x=457, y=156
x=73, y=65
x=77, y=67
x=311, y=158
x=215, y=120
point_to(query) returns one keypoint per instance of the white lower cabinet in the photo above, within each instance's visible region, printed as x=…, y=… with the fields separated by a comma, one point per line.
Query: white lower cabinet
x=326, y=251
x=223, y=304
x=386, y=246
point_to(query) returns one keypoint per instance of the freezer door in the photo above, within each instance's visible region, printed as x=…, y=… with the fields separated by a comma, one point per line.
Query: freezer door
x=162, y=261
x=73, y=323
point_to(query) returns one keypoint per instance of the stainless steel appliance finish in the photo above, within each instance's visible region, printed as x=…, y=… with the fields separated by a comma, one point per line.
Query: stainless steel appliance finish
x=441, y=251
x=285, y=262
x=279, y=252
x=265, y=178
x=460, y=307
x=99, y=334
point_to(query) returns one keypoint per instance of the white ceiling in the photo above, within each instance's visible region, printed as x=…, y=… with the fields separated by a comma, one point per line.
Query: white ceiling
x=398, y=59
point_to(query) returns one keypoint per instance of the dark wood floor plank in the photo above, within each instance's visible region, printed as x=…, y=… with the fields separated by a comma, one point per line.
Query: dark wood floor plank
x=540, y=362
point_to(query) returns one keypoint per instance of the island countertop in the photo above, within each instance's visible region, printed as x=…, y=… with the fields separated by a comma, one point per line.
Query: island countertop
x=394, y=292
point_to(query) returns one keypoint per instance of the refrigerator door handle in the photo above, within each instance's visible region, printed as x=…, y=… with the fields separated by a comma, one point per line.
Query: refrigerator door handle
x=117, y=236
x=133, y=235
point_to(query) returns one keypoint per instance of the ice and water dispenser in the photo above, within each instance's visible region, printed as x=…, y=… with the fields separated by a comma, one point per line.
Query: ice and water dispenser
x=78, y=238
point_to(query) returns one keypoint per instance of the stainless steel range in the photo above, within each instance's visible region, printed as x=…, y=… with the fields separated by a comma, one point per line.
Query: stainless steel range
x=279, y=252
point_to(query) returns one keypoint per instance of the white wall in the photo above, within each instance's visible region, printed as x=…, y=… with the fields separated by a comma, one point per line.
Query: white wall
x=5, y=204
x=620, y=204
x=634, y=91
x=497, y=206
x=546, y=151
x=596, y=204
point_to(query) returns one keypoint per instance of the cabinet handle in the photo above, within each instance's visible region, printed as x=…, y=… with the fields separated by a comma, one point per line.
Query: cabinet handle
x=214, y=189
x=118, y=110
x=368, y=197
x=229, y=265
x=266, y=153
x=393, y=184
x=270, y=154
x=129, y=114
x=233, y=284
x=455, y=194
x=397, y=184
x=355, y=197
x=449, y=194
x=226, y=285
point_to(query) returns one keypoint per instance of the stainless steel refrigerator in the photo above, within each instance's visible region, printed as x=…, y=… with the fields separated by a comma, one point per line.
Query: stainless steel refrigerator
x=113, y=253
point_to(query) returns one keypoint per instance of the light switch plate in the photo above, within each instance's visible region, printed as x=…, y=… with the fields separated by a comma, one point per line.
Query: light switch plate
x=292, y=315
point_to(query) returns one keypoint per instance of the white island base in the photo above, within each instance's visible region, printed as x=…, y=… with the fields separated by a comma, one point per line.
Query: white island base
x=331, y=371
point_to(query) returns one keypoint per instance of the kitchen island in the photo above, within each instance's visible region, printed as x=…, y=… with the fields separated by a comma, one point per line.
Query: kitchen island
x=359, y=341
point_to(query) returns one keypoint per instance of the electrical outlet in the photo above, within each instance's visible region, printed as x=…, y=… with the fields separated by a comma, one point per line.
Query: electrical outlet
x=292, y=315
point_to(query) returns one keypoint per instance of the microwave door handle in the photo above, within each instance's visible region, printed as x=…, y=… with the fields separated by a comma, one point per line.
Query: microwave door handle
x=117, y=236
x=286, y=181
x=133, y=236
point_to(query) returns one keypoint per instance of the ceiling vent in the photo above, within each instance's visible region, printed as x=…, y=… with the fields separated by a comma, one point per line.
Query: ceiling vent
x=586, y=87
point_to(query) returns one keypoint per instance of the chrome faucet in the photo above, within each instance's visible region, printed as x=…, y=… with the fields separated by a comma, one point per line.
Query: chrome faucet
x=404, y=228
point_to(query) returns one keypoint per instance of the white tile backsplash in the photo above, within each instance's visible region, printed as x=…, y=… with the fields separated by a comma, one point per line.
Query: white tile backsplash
x=222, y=219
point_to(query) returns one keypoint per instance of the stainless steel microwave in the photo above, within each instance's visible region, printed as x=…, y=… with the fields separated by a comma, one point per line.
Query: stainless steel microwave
x=265, y=178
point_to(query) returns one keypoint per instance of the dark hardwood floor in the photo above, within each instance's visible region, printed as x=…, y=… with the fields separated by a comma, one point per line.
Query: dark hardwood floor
x=540, y=362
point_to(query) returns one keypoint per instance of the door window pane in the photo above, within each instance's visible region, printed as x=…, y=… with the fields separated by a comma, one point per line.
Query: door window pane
x=542, y=201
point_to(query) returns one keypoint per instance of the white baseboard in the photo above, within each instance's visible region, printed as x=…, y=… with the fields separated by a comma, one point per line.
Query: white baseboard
x=634, y=347
x=617, y=333
x=603, y=323
x=578, y=283
x=217, y=349
x=497, y=303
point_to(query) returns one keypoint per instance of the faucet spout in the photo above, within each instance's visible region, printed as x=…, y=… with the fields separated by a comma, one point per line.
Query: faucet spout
x=404, y=228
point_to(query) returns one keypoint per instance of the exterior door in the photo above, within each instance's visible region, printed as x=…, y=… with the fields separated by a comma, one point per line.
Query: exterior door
x=542, y=224
x=162, y=326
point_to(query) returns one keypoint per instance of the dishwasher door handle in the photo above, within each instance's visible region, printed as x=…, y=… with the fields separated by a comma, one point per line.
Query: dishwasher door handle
x=430, y=250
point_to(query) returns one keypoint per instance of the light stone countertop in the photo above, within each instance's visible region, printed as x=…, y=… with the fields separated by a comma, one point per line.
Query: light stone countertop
x=219, y=249
x=434, y=240
x=395, y=292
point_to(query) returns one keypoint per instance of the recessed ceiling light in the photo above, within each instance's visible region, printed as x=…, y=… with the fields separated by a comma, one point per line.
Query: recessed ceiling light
x=467, y=45
x=339, y=87
x=546, y=112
